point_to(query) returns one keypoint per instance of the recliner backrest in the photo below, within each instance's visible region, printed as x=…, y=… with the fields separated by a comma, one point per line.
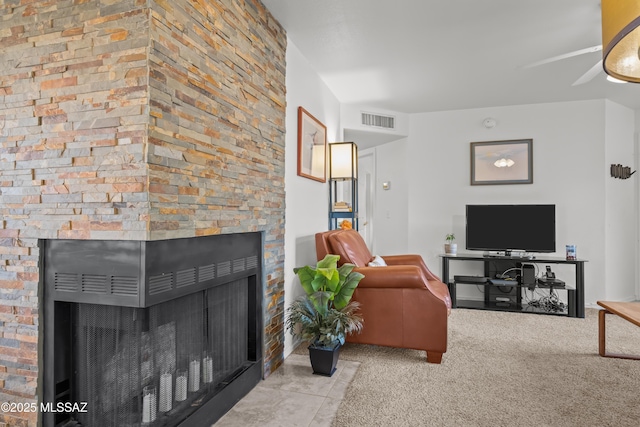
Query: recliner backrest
x=323, y=246
x=351, y=247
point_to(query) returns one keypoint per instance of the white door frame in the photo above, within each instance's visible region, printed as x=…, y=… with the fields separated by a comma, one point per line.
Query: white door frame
x=367, y=197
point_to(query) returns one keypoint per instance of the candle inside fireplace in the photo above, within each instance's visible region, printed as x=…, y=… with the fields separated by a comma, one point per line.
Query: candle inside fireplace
x=181, y=386
x=207, y=369
x=149, y=404
x=194, y=375
x=166, y=395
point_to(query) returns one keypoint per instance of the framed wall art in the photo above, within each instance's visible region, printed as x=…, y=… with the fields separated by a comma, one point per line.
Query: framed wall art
x=312, y=147
x=502, y=162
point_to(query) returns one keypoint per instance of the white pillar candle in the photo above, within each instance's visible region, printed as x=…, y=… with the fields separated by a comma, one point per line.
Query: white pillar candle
x=194, y=375
x=181, y=386
x=166, y=396
x=148, y=404
x=207, y=369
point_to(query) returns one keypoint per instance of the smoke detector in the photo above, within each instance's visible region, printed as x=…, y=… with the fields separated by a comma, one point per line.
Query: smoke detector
x=489, y=123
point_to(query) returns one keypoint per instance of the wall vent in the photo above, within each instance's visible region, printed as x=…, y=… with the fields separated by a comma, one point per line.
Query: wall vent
x=66, y=282
x=224, y=268
x=186, y=277
x=252, y=262
x=160, y=283
x=238, y=265
x=122, y=285
x=206, y=272
x=94, y=283
x=378, y=121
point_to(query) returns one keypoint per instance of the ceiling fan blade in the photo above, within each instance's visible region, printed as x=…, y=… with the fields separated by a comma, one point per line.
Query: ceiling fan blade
x=589, y=75
x=565, y=56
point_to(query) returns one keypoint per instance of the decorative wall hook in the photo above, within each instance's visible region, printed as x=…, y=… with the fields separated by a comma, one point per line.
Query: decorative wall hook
x=622, y=172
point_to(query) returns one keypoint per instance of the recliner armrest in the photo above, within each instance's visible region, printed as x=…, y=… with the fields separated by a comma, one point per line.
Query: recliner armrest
x=410, y=259
x=392, y=276
x=404, y=259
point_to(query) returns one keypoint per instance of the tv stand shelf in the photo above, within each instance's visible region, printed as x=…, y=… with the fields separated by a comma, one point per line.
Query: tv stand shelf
x=575, y=296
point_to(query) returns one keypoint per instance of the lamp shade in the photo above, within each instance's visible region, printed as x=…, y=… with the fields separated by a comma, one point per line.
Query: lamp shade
x=343, y=160
x=621, y=39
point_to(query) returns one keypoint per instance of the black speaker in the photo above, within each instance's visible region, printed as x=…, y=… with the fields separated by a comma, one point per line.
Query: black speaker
x=528, y=274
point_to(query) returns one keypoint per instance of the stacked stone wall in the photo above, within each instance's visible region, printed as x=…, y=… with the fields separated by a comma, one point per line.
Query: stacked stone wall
x=134, y=120
x=216, y=134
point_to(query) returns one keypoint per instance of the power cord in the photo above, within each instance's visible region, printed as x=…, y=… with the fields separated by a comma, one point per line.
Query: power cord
x=550, y=303
x=504, y=274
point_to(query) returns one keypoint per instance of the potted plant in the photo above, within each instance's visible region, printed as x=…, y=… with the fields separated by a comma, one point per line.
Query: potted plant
x=326, y=314
x=450, y=248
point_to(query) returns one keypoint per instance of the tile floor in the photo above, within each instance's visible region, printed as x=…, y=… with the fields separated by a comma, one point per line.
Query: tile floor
x=293, y=396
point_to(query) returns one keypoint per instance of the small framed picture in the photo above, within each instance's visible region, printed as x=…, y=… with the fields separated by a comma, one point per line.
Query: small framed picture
x=312, y=147
x=502, y=162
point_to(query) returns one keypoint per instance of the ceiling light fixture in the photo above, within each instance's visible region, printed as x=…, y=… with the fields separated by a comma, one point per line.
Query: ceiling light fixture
x=621, y=39
x=504, y=163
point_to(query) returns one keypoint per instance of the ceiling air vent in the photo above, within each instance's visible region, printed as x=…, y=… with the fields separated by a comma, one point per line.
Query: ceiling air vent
x=378, y=121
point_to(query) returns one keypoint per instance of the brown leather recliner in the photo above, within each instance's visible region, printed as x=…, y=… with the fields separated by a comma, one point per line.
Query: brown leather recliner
x=403, y=304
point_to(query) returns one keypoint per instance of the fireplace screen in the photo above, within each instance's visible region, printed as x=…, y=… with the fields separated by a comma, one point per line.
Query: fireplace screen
x=154, y=366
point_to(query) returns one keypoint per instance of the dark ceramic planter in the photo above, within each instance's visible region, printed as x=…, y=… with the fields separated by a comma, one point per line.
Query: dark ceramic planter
x=324, y=360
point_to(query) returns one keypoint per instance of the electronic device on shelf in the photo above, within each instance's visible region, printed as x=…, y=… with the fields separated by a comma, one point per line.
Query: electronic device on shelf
x=543, y=282
x=549, y=274
x=549, y=280
x=471, y=279
x=504, y=282
x=511, y=229
x=509, y=254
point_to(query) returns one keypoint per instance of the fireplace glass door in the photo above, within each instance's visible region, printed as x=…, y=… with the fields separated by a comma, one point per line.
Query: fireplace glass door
x=155, y=366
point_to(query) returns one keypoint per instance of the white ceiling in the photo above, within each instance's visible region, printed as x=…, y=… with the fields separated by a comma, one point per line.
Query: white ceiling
x=432, y=55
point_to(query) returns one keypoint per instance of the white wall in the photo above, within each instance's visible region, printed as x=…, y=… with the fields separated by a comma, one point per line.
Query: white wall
x=620, y=222
x=570, y=170
x=306, y=200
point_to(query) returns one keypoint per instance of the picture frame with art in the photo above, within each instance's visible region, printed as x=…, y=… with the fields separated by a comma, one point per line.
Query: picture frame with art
x=312, y=147
x=502, y=162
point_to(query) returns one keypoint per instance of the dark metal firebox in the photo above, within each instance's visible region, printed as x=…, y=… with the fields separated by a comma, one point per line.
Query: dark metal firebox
x=151, y=333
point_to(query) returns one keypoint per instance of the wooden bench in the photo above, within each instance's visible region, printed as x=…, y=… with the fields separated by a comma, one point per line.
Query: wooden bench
x=629, y=311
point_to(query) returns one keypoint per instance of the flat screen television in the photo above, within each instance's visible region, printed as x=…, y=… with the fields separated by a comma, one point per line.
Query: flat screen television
x=530, y=228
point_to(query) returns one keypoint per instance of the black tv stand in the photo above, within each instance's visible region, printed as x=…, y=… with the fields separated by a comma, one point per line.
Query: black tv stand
x=512, y=300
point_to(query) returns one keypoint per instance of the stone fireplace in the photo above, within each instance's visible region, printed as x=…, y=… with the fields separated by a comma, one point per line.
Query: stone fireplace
x=134, y=121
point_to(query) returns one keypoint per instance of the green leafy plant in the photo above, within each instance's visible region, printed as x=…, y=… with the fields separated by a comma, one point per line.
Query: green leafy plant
x=326, y=314
x=450, y=237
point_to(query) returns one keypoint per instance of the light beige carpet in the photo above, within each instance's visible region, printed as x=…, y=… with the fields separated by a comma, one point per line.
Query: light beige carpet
x=501, y=369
